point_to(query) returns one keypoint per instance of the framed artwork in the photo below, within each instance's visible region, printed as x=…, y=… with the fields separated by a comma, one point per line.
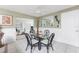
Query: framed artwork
x=6, y=20
x=50, y=21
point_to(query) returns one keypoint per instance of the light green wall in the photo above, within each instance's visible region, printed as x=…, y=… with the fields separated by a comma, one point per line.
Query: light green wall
x=48, y=23
x=59, y=13
x=21, y=15
x=15, y=15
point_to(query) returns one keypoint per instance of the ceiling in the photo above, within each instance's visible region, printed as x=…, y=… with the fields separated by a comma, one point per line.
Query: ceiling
x=35, y=10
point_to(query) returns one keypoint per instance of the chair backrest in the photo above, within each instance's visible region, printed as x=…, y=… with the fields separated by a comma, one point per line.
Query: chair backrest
x=46, y=32
x=32, y=31
x=51, y=38
x=27, y=37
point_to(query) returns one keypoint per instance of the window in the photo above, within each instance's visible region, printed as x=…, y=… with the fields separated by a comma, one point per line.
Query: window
x=24, y=24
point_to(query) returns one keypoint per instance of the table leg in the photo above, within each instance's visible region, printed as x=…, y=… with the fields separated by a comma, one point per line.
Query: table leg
x=39, y=45
x=6, y=48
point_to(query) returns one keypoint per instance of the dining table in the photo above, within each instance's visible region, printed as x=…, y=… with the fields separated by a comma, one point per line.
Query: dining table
x=39, y=38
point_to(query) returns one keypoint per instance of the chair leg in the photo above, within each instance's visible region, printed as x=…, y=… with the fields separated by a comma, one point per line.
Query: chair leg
x=31, y=48
x=27, y=47
x=52, y=47
x=34, y=47
x=47, y=49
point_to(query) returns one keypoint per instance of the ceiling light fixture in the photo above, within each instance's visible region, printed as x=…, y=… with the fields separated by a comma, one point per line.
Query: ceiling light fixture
x=38, y=11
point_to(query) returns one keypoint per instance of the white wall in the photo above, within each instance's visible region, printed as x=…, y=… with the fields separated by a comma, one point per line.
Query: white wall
x=69, y=26
x=69, y=31
x=9, y=35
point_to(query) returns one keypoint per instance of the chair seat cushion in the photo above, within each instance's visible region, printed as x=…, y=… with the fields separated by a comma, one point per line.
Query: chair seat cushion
x=34, y=41
x=45, y=41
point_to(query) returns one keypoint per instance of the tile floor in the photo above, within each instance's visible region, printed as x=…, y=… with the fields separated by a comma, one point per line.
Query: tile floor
x=20, y=47
x=58, y=48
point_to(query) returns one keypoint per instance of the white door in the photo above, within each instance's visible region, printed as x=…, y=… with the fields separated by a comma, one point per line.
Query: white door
x=70, y=27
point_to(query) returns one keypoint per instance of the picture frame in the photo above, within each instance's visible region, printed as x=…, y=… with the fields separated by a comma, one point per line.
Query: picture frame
x=6, y=20
x=53, y=21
